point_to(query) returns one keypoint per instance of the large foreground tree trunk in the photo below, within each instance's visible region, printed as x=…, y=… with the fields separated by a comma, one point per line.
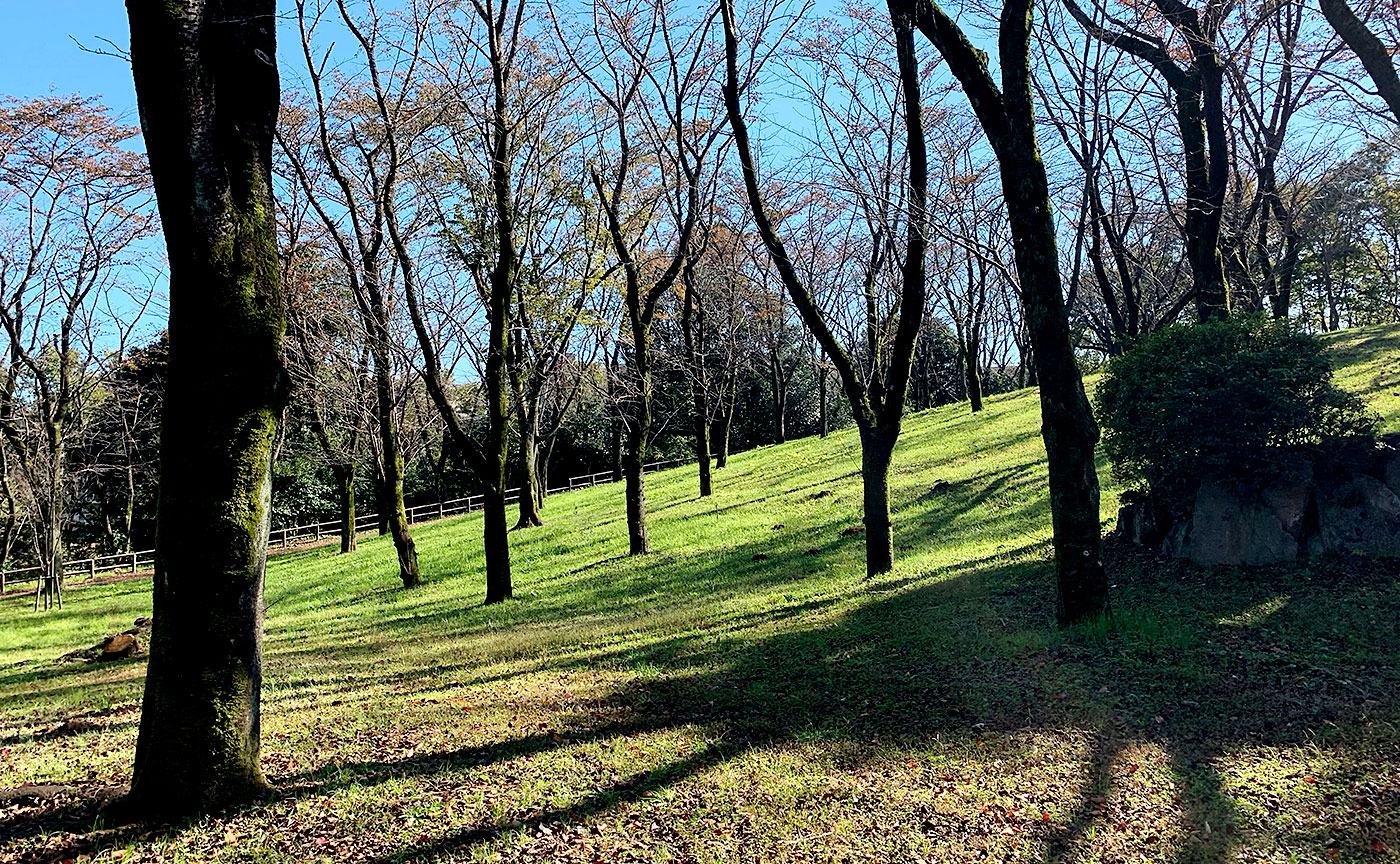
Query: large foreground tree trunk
x=207, y=86
x=1007, y=117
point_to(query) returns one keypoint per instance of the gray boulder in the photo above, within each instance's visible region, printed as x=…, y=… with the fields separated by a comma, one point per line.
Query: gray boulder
x=1357, y=515
x=1234, y=525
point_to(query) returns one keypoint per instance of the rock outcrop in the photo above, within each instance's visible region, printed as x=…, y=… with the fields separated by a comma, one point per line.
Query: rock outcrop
x=1346, y=502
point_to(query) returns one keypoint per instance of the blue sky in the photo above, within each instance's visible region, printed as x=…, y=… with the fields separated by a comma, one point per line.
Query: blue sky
x=37, y=52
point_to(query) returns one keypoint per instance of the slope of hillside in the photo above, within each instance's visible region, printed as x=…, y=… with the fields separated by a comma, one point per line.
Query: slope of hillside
x=743, y=694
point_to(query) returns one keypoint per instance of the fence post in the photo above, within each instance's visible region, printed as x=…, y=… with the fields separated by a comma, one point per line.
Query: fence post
x=133, y=562
x=439, y=509
x=92, y=568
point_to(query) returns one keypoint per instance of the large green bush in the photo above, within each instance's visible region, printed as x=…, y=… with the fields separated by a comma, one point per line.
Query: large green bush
x=1242, y=398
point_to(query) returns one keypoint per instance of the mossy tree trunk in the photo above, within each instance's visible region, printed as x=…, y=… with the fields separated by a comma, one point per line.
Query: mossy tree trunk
x=529, y=477
x=207, y=87
x=345, y=474
x=1007, y=117
x=392, y=513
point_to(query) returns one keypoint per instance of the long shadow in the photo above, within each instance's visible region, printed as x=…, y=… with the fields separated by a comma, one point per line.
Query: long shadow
x=1204, y=661
x=930, y=658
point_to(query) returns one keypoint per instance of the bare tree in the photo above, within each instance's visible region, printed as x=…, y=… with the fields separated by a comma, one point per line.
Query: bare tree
x=1007, y=116
x=1197, y=82
x=346, y=158
x=73, y=202
x=650, y=74
x=877, y=393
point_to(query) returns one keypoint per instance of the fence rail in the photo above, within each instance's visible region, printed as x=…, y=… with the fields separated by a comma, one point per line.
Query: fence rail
x=284, y=538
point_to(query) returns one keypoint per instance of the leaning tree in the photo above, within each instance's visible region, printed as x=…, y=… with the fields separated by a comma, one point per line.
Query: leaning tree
x=876, y=393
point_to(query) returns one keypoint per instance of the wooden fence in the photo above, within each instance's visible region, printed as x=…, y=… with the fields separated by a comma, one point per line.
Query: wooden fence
x=286, y=538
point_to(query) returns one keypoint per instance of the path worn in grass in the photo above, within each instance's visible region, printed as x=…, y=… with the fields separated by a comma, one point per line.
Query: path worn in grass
x=744, y=695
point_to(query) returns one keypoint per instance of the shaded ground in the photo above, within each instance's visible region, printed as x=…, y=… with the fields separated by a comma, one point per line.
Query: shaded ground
x=698, y=705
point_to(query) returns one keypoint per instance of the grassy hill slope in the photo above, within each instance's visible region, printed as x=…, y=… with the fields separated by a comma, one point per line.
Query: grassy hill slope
x=743, y=694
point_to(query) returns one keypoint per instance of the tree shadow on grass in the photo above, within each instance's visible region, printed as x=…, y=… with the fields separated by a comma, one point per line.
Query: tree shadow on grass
x=1203, y=663
x=931, y=660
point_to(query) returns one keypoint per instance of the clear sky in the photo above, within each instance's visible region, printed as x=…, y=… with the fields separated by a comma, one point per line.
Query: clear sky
x=38, y=54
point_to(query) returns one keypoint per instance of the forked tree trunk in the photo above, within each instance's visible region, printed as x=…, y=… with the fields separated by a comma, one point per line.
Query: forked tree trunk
x=207, y=86
x=1007, y=116
x=719, y=437
x=346, y=476
x=391, y=509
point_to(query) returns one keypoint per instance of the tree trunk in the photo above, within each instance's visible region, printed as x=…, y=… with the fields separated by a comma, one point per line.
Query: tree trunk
x=346, y=476
x=1205, y=193
x=974, y=373
x=702, y=446
x=391, y=509
x=876, y=451
x=381, y=504
x=1067, y=423
x=497, y=540
x=209, y=105
x=49, y=592
x=529, y=478
x=1371, y=50
x=616, y=448
x=719, y=437
x=1068, y=426
x=637, y=541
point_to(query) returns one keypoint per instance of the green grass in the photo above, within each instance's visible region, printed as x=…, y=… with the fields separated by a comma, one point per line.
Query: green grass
x=703, y=704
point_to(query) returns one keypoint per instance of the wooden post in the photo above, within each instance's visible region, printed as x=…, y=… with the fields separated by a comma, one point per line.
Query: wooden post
x=133, y=562
x=92, y=568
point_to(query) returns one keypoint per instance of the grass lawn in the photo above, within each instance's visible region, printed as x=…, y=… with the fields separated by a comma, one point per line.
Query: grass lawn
x=743, y=694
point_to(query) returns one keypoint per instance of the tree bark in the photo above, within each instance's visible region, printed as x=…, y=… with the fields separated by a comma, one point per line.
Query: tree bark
x=638, y=543
x=974, y=372
x=346, y=474
x=1007, y=116
x=1371, y=50
x=207, y=87
x=529, y=478
x=391, y=509
x=876, y=452
x=497, y=542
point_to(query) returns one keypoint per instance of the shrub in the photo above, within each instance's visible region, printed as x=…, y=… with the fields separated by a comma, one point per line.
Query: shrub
x=1242, y=398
